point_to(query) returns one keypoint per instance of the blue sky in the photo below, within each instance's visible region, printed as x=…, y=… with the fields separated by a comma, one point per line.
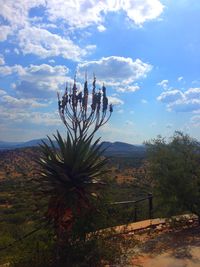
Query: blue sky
x=145, y=51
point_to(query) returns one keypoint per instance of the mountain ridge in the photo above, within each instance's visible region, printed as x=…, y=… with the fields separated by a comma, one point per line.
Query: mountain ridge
x=111, y=148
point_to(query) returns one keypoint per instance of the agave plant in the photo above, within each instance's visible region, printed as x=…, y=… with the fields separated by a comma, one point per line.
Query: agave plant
x=72, y=167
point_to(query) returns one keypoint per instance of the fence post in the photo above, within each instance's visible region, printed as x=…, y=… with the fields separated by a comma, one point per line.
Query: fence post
x=150, y=198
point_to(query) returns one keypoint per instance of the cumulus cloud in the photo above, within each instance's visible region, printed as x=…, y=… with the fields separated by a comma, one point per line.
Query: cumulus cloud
x=116, y=69
x=119, y=72
x=142, y=10
x=2, y=61
x=16, y=12
x=8, y=70
x=163, y=84
x=2, y=92
x=32, y=35
x=193, y=93
x=128, y=122
x=144, y=101
x=36, y=35
x=188, y=101
x=13, y=102
x=45, y=44
x=16, y=115
x=22, y=110
x=81, y=13
x=185, y=105
x=101, y=28
x=5, y=31
x=38, y=81
x=130, y=88
x=195, y=121
x=170, y=96
x=115, y=100
x=76, y=14
x=180, y=79
x=42, y=81
x=85, y=13
x=120, y=111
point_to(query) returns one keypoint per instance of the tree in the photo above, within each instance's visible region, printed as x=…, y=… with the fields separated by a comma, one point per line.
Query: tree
x=72, y=167
x=175, y=168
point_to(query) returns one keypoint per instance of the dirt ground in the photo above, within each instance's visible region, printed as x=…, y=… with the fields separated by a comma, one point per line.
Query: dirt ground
x=168, y=248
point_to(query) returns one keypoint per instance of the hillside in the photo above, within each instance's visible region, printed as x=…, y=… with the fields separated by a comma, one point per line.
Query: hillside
x=111, y=149
x=18, y=163
x=122, y=149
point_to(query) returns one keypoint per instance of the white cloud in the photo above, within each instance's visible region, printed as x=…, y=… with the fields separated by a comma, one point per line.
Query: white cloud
x=163, y=84
x=188, y=101
x=48, y=119
x=34, y=38
x=101, y=28
x=144, y=101
x=180, y=79
x=16, y=51
x=42, y=81
x=170, y=96
x=128, y=122
x=195, y=121
x=185, y=105
x=52, y=61
x=13, y=102
x=8, y=70
x=22, y=110
x=13, y=85
x=2, y=92
x=37, y=81
x=45, y=44
x=142, y=10
x=117, y=71
x=18, y=116
x=115, y=100
x=5, y=31
x=84, y=13
x=130, y=88
x=193, y=93
x=16, y=12
x=7, y=51
x=2, y=61
x=196, y=111
x=120, y=111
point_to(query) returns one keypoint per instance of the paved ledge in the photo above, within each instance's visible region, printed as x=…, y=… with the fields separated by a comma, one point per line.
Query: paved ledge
x=151, y=223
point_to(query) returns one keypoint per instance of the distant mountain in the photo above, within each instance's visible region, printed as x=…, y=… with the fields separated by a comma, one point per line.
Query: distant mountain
x=112, y=149
x=123, y=149
x=7, y=144
x=13, y=145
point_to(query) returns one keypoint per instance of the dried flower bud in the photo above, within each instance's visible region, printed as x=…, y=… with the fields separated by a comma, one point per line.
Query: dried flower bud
x=105, y=103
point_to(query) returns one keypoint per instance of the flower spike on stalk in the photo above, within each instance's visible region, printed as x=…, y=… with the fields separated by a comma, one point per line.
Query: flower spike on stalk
x=78, y=116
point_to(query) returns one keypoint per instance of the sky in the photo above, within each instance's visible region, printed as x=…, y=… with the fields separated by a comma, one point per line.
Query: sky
x=146, y=52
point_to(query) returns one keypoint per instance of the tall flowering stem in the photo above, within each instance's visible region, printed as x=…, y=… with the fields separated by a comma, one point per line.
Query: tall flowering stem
x=81, y=114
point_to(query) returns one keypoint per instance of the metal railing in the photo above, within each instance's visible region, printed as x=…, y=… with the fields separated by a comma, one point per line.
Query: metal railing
x=123, y=212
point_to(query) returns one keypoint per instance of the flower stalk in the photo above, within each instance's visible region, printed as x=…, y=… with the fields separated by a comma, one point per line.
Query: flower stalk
x=78, y=115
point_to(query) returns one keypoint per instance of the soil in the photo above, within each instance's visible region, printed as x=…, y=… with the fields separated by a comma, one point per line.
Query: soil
x=168, y=248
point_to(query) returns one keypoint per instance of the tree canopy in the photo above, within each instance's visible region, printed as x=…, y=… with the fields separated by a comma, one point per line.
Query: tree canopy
x=175, y=169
